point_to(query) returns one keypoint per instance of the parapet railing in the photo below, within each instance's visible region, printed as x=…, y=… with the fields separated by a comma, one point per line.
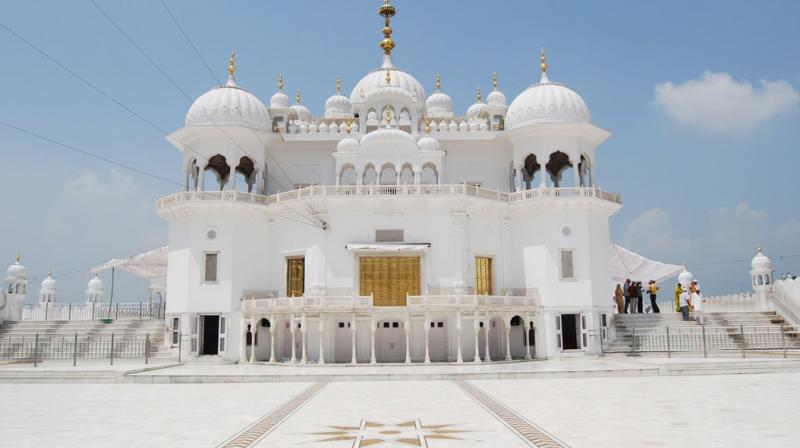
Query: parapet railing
x=333, y=191
x=712, y=339
x=471, y=300
x=36, y=348
x=93, y=311
x=466, y=301
x=301, y=302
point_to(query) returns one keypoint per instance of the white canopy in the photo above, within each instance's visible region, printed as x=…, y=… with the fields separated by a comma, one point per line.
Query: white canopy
x=151, y=265
x=627, y=264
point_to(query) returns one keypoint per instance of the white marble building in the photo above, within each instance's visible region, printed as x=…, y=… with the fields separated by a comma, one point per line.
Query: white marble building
x=389, y=229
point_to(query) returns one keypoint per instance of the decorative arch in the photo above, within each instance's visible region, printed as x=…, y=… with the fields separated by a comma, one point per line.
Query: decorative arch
x=247, y=169
x=558, y=164
x=585, y=171
x=429, y=174
x=218, y=165
x=370, y=176
x=517, y=337
x=347, y=174
x=406, y=174
x=530, y=166
x=388, y=175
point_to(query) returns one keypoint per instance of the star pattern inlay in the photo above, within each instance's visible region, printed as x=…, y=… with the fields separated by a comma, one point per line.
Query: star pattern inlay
x=375, y=434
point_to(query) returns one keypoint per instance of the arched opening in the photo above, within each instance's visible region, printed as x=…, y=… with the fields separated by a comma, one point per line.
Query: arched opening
x=370, y=176
x=482, y=342
x=263, y=340
x=530, y=167
x=217, y=165
x=347, y=175
x=192, y=175
x=246, y=173
x=531, y=339
x=760, y=279
x=390, y=341
x=516, y=337
x=429, y=174
x=560, y=169
x=388, y=175
x=391, y=114
x=407, y=175
x=372, y=119
x=404, y=122
x=585, y=172
x=496, y=337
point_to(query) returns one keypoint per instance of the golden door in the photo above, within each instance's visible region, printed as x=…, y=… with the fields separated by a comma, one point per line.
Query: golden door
x=389, y=279
x=483, y=275
x=295, y=277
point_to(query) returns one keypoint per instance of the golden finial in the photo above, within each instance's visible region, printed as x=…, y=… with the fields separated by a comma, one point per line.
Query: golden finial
x=494, y=80
x=427, y=125
x=388, y=117
x=438, y=82
x=478, y=95
x=232, y=64
x=19, y=257
x=50, y=272
x=349, y=127
x=543, y=62
x=297, y=96
x=280, y=82
x=338, y=85
x=387, y=11
x=388, y=77
x=759, y=249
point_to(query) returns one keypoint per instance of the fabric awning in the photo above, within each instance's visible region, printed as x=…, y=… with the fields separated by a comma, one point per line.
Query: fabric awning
x=150, y=265
x=628, y=264
x=388, y=247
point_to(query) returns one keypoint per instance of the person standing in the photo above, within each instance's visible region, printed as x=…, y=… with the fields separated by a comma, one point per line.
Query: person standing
x=652, y=289
x=684, y=304
x=619, y=296
x=639, y=295
x=626, y=291
x=632, y=295
x=697, y=304
x=678, y=291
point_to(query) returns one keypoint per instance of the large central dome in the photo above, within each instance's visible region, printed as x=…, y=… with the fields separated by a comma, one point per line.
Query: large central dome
x=398, y=80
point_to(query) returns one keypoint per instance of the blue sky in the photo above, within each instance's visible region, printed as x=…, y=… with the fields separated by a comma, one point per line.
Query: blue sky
x=701, y=98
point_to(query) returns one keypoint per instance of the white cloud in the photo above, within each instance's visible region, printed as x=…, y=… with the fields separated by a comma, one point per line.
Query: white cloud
x=718, y=103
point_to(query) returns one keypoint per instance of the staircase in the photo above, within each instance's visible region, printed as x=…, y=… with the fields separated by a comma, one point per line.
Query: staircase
x=733, y=321
x=94, y=338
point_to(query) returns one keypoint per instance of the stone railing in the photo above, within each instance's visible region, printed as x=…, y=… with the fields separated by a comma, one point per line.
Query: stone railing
x=471, y=301
x=351, y=191
x=252, y=304
x=93, y=311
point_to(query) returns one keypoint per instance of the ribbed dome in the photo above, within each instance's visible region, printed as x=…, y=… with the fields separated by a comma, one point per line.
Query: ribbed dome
x=95, y=284
x=496, y=98
x=439, y=105
x=338, y=106
x=547, y=102
x=399, y=81
x=348, y=144
x=228, y=105
x=279, y=100
x=49, y=283
x=387, y=134
x=476, y=110
x=17, y=271
x=302, y=112
x=428, y=143
x=761, y=262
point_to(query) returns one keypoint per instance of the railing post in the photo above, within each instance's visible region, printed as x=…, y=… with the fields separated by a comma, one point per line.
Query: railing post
x=69, y=313
x=705, y=351
x=75, y=350
x=669, y=347
x=783, y=340
x=146, y=347
x=112, y=348
x=36, y=351
x=741, y=330
x=93, y=304
x=140, y=310
x=116, y=316
x=46, y=309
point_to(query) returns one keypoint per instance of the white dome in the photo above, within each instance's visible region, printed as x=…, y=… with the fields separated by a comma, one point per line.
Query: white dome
x=95, y=284
x=547, y=102
x=279, y=100
x=338, y=106
x=476, y=110
x=302, y=112
x=228, y=105
x=348, y=144
x=439, y=105
x=761, y=262
x=17, y=271
x=429, y=144
x=496, y=98
x=400, y=82
x=387, y=135
x=49, y=284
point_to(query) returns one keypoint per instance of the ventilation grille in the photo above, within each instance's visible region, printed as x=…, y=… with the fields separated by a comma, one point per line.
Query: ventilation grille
x=389, y=236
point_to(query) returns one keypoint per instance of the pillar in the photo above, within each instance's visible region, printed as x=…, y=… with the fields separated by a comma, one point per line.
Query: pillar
x=272, y=332
x=486, y=326
x=417, y=175
x=477, y=330
x=507, y=323
x=353, y=331
x=372, y=343
x=294, y=350
x=542, y=171
x=252, y=340
x=459, y=359
x=232, y=177
x=243, y=345
x=527, y=342
x=407, y=327
x=201, y=174
x=576, y=175
x=461, y=250
x=303, y=358
x=321, y=347
x=427, y=348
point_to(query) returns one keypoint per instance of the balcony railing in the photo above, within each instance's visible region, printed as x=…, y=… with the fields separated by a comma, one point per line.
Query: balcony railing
x=351, y=191
x=471, y=301
x=96, y=311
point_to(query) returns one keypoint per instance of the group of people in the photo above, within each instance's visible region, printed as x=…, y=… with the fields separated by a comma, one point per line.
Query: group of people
x=688, y=300
x=630, y=300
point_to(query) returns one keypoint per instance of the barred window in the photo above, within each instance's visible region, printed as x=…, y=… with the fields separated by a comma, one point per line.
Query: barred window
x=567, y=265
x=211, y=267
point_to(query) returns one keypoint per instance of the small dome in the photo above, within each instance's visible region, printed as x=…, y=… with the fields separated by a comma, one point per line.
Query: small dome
x=439, y=104
x=302, y=112
x=399, y=82
x=338, y=106
x=761, y=262
x=49, y=284
x=17, y=271
x=95, y=284
x=496, y=98
x=387, y=135
x=279, y=100
x=476, y=110
x=428, y=143
x=547, y=102
x=348, y=144
x=228, y=105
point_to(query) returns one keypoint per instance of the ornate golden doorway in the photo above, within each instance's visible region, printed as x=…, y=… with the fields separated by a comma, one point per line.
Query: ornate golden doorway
x=389, y=279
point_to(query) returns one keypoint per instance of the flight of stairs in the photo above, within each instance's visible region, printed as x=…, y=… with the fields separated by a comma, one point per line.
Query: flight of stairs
x=625, y=323
x=94, y=336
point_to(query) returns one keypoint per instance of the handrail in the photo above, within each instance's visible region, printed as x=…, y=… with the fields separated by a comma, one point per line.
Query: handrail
x=390, y=191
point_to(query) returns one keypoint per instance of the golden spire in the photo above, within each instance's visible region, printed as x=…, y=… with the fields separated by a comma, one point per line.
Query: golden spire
x=280, y=82
x=388, y=117
x=494, y=80
x=50, y=272
x=478, y=96
x=338, y=85
x=543, y=62
x=349, y=127
x=387, y=11
x=427, y=125
x=232, y=64
x=19, y=257
x=297, y=96
x=438, y=82
x=388, y=77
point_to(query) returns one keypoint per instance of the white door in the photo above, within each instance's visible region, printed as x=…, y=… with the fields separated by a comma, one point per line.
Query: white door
x=344, y=342
x=196, y=324
x=287, y=341
x=437, y=340
x=559, y=336
x=222, y=323
x=584, y=332
x=496, y=340
x=390, y=342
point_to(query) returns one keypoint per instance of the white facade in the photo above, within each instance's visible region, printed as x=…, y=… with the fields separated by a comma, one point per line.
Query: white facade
x=502, y=231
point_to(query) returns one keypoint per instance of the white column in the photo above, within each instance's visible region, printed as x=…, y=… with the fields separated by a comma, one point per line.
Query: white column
x=201, y=174
x=417, y=175
x=477, y=330
x=507, y=323
x=252, y=340
x=486, y=329
x=372, y=344
x=272, y=333
x=459, y=358
x=303, y=332
x=527, y=341
x=294, y=350
x=243, y=345
x=232, y=177
x=576, y=175
x=186, y=179
x=353, y=331
x=407, y=327
x=321, y=334
x=543, y=170
x=427, y=348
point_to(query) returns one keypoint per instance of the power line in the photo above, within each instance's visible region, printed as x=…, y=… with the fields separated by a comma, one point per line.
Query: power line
x=185, y=36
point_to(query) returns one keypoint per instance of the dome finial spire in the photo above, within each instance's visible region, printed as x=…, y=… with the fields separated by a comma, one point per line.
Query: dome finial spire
x=427, y=125
x=338, y=85
x=478, y=96
x=543, y=61
x=298, y=96
x=494, y=80
x=759, y=249
x=438, y=82
x=388, y=117
x=19, y=257
x=387, y=11
x=280, y=82
x=349, y=127
x=232, y=64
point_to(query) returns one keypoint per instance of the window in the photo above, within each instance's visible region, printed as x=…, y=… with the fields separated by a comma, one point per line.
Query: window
x=483, y=275
x=295, y=276
x=211, y=267
x=175, y=330
x=567, y=265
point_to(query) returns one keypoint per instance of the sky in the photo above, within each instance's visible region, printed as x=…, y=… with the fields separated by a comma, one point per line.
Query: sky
x=701, y=98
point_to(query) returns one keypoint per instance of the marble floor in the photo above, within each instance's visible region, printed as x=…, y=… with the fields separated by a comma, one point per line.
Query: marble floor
x=664, y=411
